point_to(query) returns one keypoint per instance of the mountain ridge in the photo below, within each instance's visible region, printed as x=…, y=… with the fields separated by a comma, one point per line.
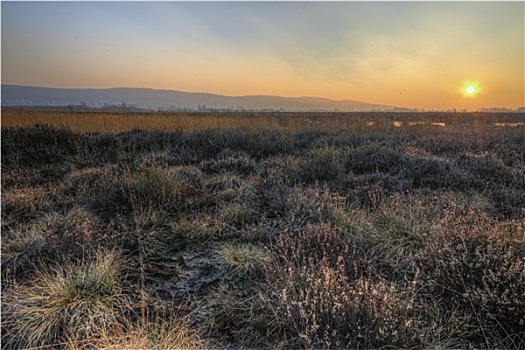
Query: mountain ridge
x=165, y=99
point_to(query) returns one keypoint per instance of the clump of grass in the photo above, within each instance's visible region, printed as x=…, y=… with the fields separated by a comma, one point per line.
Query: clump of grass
x=235, y=214
x=199, y=229
x=88, y=184
x=70, y=302
x=56, y=237
x=24, y=204
x=403, y=225
x=21, y=253
x=243, y=260
x=150, y=187
x=194, y=185
x=158, y=334
x=324, y=165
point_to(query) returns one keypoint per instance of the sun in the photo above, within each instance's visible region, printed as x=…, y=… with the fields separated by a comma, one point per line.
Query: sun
x=470, y=89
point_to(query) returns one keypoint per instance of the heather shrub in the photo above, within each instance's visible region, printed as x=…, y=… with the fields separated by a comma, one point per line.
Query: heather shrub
x=369, y=190
x=230, y=161
x=329, y=300
x=487, y=167
x=428, y=171
x=70, y=302
x=478, y=265
x=37, y=146
x=373, y=158
x=272, y=195
x=311, y=205
x=509, y=201
x=247, y=318
x=260, y=144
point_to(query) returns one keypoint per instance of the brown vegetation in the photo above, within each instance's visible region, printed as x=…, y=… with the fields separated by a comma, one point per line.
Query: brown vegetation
x=262, y=231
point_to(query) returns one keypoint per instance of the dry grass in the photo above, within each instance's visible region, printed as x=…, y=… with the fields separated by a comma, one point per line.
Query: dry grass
x=73, y=302
x=243, y=260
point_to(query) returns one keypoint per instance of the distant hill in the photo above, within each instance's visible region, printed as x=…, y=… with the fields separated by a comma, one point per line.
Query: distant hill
x=15, y=95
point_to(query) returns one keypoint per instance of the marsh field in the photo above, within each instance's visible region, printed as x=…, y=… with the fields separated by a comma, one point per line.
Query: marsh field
x=262, y=230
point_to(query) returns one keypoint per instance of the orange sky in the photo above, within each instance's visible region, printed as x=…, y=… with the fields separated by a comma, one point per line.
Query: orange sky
x=409, y=54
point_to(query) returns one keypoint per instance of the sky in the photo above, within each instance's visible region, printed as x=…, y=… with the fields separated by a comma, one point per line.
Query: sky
x=407, y=54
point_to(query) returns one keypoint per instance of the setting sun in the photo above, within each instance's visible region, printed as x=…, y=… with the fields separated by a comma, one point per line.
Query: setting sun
x=470, y=89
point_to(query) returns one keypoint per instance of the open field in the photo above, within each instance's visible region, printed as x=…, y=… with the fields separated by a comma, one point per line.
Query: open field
x=262, y=230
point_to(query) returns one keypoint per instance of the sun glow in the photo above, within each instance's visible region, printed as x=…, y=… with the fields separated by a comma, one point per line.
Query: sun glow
x=470, y=89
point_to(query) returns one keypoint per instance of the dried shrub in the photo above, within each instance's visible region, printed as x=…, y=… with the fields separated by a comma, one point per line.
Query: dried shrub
x=313, y=205
x=230, y=161
x=246, y=318
x=427, y=171
x=328, y=300
x=478, y=265
x=373, y=158
x=272, y=196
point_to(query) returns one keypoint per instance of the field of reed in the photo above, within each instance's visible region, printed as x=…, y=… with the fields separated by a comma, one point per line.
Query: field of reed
x=281, y=230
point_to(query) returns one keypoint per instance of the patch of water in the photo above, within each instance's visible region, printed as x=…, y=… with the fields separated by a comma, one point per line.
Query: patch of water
x=427, y=123
x=509, y=124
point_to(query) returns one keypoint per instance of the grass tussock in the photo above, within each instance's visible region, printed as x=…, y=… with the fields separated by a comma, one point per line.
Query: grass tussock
x=73, y=302
x=159, y=333
x=149, y=188
x=243, y=260
x=56, y=237
x=303, y=231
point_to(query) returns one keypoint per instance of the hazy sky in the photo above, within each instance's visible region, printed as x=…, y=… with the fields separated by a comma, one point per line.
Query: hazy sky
x=413, y=54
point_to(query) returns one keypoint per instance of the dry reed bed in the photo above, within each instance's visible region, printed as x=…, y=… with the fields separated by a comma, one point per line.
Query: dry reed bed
x=115, y=122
